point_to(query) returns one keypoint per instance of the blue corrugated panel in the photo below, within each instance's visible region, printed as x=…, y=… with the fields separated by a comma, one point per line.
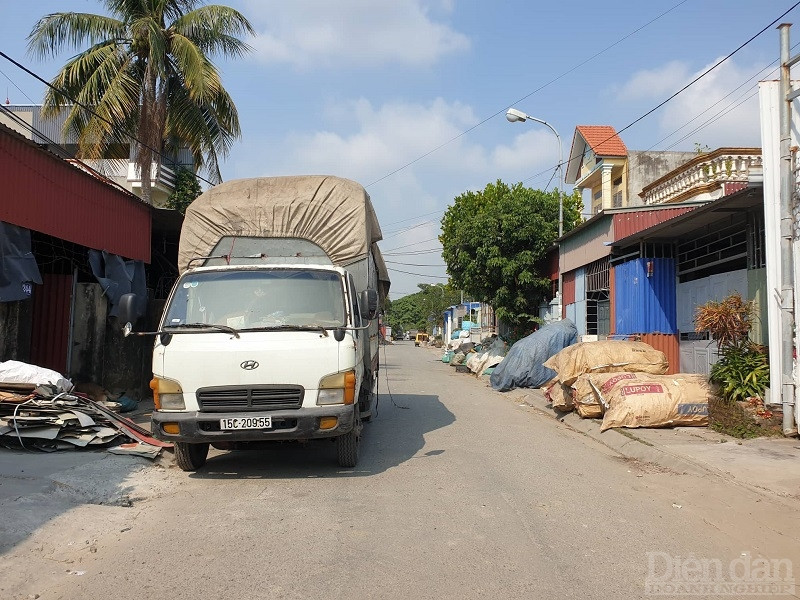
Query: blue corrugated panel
x=580, y=285
x=580, y=317
x=570, y=312
x=644, y=294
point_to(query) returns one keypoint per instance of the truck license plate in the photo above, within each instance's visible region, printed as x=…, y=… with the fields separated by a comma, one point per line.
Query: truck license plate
x=245, y=423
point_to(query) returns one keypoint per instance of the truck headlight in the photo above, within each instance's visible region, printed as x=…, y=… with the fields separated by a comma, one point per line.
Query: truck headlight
x=339, y=388
x=167, y=394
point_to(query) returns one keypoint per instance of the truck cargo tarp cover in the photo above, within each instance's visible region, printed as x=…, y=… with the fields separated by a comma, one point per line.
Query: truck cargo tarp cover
x=334, y=213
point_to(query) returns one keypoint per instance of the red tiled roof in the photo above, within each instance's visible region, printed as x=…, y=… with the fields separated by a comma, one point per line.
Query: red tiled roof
x=603, y=140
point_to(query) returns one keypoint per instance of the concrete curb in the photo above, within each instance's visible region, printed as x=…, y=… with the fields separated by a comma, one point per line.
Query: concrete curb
x=623, y=441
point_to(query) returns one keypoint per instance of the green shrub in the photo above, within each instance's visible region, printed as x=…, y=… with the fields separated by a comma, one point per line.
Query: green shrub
x=741, y=372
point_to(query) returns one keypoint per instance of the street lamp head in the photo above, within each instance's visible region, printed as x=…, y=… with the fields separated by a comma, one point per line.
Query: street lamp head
x=513, y=115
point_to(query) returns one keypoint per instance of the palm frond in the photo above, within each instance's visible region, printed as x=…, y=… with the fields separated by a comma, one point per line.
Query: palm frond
x=213, y=29
x=59, y=31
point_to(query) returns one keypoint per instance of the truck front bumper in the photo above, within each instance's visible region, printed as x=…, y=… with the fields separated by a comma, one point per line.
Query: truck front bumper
x=296, y=424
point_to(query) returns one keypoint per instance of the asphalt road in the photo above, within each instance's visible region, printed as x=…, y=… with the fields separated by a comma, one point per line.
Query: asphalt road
x=461, y=492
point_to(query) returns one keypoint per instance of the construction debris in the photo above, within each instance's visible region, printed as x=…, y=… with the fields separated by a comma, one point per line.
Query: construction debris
x=44, y=418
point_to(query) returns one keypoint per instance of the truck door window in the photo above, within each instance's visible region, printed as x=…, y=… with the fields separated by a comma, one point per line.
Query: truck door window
x=354, y=302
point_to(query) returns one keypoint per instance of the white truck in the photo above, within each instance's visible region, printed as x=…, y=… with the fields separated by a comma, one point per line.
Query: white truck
x=271, y=330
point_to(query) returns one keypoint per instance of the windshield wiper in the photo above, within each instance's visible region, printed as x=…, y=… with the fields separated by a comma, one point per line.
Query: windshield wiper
x=312, y=327
x=214, y=326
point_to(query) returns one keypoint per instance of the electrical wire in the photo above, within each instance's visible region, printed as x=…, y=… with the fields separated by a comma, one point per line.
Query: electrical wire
x=63, y=152
x=393, y=262
x=86, y=108
x=414, y=244
x=552, y=81
x=416, y=274
x=692, y=82
x=388, y=389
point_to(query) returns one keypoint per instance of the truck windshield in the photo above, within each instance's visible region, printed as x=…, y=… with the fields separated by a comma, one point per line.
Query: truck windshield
x=256, y=299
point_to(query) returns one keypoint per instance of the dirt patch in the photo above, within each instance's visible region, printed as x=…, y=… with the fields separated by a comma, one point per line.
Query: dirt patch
x=641, y=467
x=743, y=420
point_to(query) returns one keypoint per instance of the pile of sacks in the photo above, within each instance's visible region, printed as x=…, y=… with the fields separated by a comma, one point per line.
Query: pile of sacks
x=490, y=354
x=625, y=384
x=478, y=358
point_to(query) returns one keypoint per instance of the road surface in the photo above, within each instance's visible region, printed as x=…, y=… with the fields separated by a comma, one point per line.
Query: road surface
x=461, y=492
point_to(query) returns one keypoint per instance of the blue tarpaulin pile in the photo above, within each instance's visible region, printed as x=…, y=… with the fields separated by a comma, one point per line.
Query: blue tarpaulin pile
x=522, y=366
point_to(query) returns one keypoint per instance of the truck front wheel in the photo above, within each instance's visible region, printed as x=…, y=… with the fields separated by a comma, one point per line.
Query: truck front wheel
x=347, y=444
x=190, y=457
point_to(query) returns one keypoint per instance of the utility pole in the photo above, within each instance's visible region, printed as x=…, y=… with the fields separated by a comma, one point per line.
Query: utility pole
x=787, y=233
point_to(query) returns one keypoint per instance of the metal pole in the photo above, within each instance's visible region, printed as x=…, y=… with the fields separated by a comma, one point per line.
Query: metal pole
x=560, y=206
x=787, y=288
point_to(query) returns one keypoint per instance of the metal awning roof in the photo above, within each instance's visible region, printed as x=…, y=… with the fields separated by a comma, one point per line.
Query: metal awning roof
x=699, y=218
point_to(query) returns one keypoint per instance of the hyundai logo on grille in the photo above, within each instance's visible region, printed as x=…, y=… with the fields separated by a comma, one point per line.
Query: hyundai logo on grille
x=249, y=365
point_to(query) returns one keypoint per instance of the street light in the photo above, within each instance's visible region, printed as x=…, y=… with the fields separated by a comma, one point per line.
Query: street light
x=513, y=115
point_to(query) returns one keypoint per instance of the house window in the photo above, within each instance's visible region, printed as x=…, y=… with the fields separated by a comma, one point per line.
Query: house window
x=617, y=199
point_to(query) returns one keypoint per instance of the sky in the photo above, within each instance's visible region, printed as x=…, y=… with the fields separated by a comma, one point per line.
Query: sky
x=408, y=97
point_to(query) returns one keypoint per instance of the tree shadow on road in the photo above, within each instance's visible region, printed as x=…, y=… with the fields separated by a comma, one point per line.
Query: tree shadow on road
x=395, y=435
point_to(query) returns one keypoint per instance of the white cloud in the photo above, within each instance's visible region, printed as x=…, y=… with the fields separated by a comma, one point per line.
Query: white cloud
x=720, y=109
x=378, y=145
x=532, y=152
x=386, y=138
x=358, y=32
x=655, y=83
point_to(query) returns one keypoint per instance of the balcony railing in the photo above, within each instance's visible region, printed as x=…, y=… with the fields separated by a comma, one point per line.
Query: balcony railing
x=703, y=176
x=161, y=176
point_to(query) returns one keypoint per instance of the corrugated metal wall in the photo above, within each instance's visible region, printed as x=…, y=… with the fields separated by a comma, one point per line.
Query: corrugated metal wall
x=52, y=302
x=587, y=245
x=645, y=297
x=580, y=284
x=46, y=194
x=568, y=296
x=668, y=344
x=612, y=303
x=628, y=223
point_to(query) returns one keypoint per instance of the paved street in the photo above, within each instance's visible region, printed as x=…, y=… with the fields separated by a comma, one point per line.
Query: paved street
x=461, y=492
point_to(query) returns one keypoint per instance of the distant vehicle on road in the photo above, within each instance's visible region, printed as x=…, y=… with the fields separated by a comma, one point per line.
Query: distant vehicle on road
x=421, y=338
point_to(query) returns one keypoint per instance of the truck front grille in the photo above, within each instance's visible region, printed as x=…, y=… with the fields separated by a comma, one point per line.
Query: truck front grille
x=256, y=397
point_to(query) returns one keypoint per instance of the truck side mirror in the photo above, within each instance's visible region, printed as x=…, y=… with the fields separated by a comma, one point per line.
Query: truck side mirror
x=369, y=304
x=126, y=309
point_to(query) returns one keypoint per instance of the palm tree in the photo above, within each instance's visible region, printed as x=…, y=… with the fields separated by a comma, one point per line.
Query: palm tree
x=146, y=74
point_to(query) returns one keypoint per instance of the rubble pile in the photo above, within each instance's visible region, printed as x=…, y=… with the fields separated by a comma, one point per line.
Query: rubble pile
x=45, y=418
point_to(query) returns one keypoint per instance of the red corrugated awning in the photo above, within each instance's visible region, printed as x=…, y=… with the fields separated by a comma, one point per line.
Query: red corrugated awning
x=44, y=193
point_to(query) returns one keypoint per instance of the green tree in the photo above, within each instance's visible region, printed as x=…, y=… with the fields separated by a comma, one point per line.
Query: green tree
x=187, y=188
x=406, y=313
x=422, y=309
x=495, y=242
x=147, y=73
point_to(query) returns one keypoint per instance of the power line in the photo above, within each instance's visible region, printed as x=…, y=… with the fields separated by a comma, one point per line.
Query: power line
x=86, y=108
x=413, y=244
x=417, y=274
x=413, y=252
x=406, y=229
x=566, y=163
x=413, y=218
x=540, y=88
x=63, y=153
x=18, y=88
x=393, y=262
